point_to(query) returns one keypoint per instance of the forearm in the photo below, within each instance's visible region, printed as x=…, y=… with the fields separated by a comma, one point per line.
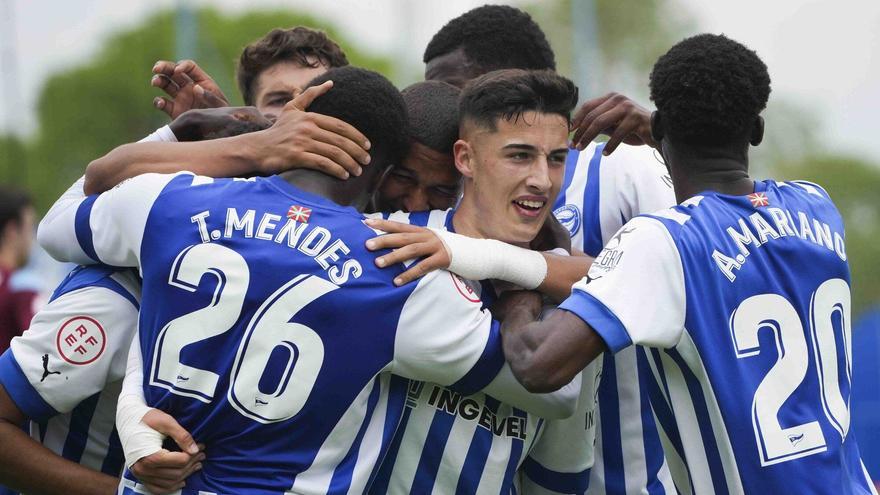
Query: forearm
x=227, y=157
x=31, y=468
x=555, y=405
x=562, y=273
x=546, y=355
x=27, y=466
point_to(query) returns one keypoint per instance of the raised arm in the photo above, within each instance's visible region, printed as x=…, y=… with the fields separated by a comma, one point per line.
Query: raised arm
x=298, y=139
x=187, y=85
x=106, y=228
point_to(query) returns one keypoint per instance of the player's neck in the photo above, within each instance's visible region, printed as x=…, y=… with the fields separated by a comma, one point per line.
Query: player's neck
x=465, y=221
x=695, y=170
x=340, y=192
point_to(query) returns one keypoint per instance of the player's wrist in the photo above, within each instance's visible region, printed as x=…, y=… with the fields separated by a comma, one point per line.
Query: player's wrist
x=253, y=153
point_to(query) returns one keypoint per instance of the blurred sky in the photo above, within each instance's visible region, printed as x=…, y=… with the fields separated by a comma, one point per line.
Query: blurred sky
x=822, y=54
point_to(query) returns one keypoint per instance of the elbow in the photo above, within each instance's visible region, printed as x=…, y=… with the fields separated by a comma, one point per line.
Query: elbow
x=44, y=237
x=48, y=239
x=92, y=183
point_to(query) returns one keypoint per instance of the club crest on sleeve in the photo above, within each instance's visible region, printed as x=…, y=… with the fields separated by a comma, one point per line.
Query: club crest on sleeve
x=759, y=199
x=299, y=213
x=464, y=288
x=570, y=218
x=81, y=340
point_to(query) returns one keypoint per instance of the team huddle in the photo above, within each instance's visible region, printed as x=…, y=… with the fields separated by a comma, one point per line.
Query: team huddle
x=348, y=288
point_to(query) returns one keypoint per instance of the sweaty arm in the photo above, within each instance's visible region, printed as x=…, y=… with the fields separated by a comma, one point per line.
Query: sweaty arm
x=445, y=337
x=225, y=157
x=42, y=375
x=298, y=139
x=633, y=299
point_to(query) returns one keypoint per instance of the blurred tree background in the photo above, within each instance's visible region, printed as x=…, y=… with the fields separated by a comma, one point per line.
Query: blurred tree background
x=86, y=110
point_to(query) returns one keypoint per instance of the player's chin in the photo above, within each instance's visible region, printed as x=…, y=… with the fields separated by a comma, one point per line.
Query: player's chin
x=523, y=232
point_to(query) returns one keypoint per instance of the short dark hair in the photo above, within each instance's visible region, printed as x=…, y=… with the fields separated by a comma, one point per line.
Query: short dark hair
x=432, y=107
x=13, y=203
x=299, y=44
x=494, y=37
x=509, y=93
x=369, y=102
x=709, y=90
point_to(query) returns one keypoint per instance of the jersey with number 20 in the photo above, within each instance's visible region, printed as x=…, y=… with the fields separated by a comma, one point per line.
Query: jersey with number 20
x=267, y=331
x=749, y=321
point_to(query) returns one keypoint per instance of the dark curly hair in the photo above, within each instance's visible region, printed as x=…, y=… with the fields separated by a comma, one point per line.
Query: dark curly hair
x=709, y=90
x=370, y=103
x=509, y=93
x=299, y=44
x=432, y=107
x=494, y=37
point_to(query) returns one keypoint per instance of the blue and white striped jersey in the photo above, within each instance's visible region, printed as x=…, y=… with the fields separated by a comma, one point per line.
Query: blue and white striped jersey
x=481, y=443
x=266, y=329
x=749, y=329
x=66, y=371
x=95, y=420
x=600, y=194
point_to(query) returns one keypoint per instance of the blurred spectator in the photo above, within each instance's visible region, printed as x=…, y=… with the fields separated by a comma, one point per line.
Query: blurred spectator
x=16, y=237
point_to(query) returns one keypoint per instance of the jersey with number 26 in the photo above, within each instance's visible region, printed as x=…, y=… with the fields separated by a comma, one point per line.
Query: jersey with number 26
x=268, y=332
x=749, y=318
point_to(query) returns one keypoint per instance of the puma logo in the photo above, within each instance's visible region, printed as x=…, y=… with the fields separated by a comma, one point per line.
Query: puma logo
x=46, y=371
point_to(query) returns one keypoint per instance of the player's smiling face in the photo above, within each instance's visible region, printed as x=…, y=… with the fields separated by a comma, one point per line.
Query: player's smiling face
x=513, y=174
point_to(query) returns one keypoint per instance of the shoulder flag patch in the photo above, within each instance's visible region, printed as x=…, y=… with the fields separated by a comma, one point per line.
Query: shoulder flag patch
x=759, y=199
x=299, y=213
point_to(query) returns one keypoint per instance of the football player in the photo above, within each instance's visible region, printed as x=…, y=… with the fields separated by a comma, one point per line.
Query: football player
x=264, y=272
x=742, y=292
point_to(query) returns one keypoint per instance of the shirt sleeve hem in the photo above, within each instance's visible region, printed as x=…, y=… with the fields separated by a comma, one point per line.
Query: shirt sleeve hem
x=599, y=317
x=21, y=391
x=554, y=480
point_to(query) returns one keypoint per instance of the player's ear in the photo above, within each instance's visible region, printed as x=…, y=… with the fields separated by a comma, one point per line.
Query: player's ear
x=757, y=131
x=657, y=131
x=464, y=156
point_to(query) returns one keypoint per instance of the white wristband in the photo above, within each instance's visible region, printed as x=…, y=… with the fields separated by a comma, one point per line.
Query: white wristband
x=481, y=259
x=138, y=440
